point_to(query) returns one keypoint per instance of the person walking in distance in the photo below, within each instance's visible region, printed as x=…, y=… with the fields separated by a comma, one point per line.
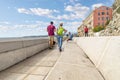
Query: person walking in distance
x=60, y=34
x=86, y=31
x=51, y=29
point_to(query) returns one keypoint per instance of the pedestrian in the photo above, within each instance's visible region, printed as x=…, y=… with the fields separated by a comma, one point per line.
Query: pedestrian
x=86, y=31
x=51, y=29
x=60, y=33
x=70, y=36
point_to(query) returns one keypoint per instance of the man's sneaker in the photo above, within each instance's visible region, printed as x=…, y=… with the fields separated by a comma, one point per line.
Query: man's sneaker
x=50, y=47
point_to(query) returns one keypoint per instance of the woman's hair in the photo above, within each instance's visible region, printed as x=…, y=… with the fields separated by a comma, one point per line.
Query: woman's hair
x=61, y=24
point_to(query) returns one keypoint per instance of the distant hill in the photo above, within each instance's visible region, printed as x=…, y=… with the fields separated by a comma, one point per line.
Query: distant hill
x=36, y=36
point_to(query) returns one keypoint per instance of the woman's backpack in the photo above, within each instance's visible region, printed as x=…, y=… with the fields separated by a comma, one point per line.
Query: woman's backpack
x=60, y=31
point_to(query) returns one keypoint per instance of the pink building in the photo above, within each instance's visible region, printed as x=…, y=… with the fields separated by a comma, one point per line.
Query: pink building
x=101, y=15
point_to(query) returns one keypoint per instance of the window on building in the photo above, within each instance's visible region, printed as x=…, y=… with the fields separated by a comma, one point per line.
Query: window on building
x=102, y=18
x=107, y=8
x=98, y=13
x=107, y=13
x=107, y=18
x=98, y=18
x=103, y=13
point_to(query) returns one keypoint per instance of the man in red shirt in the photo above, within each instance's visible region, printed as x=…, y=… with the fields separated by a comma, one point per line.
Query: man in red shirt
x=51, y=29
x=86, y=31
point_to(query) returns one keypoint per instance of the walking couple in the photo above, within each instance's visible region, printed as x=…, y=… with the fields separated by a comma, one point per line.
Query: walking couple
x=60, y=33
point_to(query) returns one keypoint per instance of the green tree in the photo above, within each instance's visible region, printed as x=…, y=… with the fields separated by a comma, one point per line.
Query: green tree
x=98, y=28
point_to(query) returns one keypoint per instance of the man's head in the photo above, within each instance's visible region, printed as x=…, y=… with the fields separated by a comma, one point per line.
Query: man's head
x=51, y=22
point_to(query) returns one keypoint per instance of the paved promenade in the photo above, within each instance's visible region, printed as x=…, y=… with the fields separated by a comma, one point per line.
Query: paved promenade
x=71, y=64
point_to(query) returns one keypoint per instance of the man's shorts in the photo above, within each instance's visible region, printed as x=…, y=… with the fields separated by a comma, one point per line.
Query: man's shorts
x=51, y=38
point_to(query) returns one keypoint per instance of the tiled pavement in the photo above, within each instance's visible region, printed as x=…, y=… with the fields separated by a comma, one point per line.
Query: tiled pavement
x=73, y=64
x=33, y=68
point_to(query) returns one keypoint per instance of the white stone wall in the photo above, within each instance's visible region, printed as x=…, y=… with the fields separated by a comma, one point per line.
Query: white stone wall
x=105, y=54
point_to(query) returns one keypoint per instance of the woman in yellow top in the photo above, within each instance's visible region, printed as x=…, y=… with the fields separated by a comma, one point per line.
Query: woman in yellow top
x=60, y=34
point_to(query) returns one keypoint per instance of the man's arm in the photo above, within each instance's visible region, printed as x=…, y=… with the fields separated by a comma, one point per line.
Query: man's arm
x=47, y=29
x=54, y=29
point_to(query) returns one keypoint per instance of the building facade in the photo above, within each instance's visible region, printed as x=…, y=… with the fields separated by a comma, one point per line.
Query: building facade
x=97, y=17
x=87, y=22
x=101, y=15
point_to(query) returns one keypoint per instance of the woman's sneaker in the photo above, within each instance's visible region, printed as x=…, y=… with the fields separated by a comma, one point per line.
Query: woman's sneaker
x=60, y=49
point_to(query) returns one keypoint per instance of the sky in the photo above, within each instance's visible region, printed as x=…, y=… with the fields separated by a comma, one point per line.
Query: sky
x=20, y=18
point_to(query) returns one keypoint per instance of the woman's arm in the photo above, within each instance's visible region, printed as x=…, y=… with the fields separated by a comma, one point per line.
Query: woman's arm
x=65, y=30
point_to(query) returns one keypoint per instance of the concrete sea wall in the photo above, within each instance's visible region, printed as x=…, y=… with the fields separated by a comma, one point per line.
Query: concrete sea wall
x=13, y=51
